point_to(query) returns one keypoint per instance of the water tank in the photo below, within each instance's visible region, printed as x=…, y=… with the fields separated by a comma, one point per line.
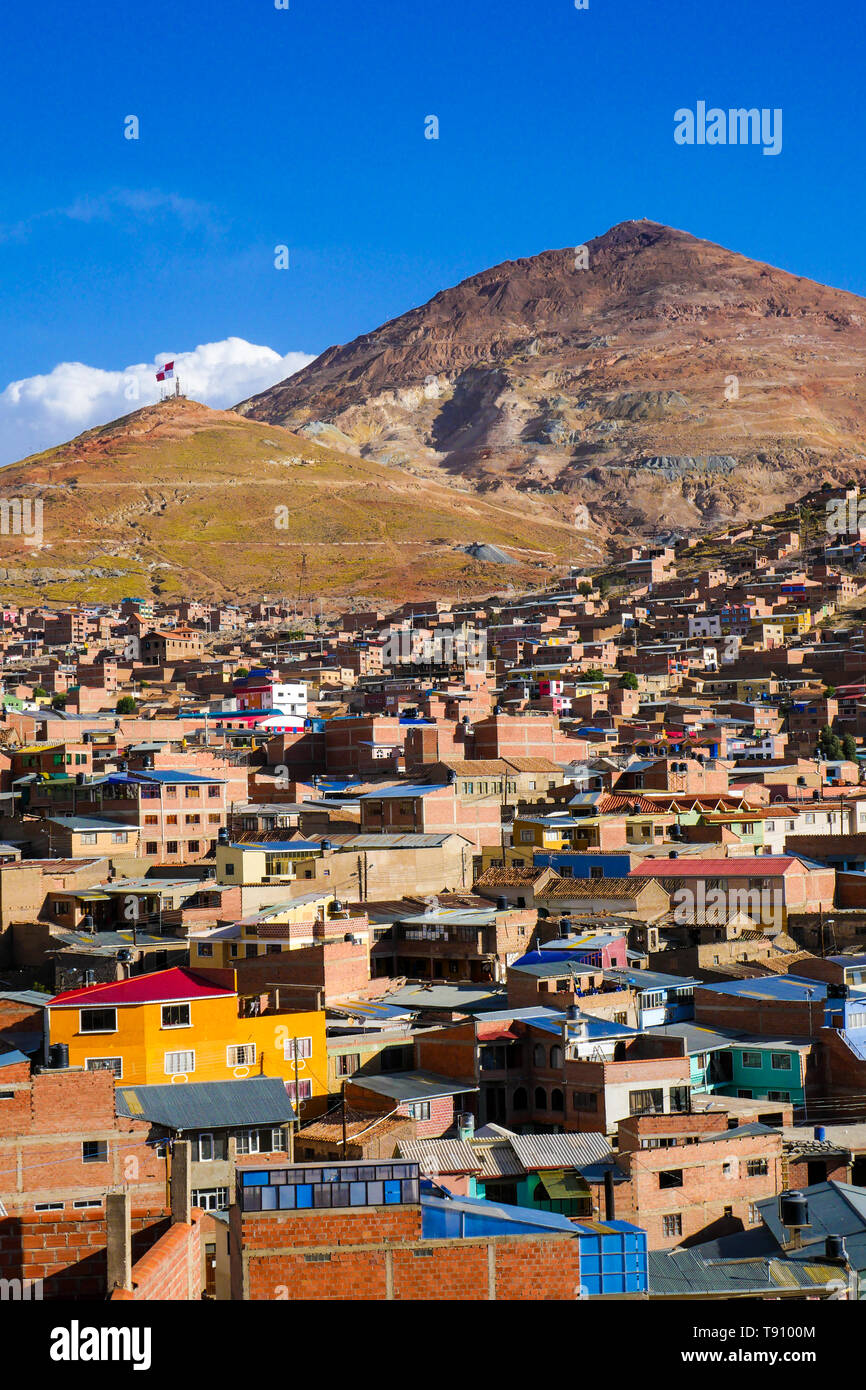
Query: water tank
x=673, y=854
x=501, y=904
x=452, y=777
x=820, y=1133
x=835, y=990
x=465, y=1125
x=223, y=835
x=794, y=1209
x=80, y=779
x=326, y=846
x=465, y=721
x=58, y=1056
x=834, y=1248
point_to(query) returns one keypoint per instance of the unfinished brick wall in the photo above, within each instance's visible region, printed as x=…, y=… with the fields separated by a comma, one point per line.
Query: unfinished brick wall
x=379, y=1253
x=171, y=1269
x=67, y=1250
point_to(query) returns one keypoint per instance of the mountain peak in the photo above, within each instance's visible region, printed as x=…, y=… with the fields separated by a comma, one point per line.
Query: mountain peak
x=647, y=370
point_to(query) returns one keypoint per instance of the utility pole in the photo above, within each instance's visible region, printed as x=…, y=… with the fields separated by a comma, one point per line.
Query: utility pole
x=343, y=1098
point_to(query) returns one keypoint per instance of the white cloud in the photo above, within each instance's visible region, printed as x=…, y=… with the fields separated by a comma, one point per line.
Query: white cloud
x=42, y=411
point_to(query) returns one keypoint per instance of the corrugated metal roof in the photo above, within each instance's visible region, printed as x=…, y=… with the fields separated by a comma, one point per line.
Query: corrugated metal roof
x=441, y=1155
x=498, y=1159
x=208, y=1104
x=413, y=1085
x=537, y=1151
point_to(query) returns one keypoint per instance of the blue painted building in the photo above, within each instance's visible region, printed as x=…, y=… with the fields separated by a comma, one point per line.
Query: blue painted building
x=613, y=1254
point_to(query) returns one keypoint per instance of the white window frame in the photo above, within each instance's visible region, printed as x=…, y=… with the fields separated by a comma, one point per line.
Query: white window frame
x=118, y=1074
x=211, y=1198
x=200, y=1139
x=178, y=1071
x=244, y=1139
x=235, y=1060
x=175, y=1004
x=304, y=1052
x=92, y=1008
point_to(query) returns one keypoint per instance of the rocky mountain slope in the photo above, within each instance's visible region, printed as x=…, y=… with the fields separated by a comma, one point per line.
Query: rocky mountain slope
x=657, y=380
x=177, y=499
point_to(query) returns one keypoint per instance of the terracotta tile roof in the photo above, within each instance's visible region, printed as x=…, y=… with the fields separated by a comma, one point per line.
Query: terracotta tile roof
x=330, y=1127
x=510, y=878
x=593, y=888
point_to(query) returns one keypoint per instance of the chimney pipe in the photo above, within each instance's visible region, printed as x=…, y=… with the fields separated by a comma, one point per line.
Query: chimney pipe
x=609, y=1204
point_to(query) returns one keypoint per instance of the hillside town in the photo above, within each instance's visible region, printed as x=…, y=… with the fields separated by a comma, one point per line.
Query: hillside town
x=509, y=949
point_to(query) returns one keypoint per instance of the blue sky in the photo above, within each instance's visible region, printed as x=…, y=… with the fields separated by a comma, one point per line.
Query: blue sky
x=305, y=127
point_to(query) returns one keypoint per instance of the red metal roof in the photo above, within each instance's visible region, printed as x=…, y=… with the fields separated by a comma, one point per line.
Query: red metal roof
x=159, y=987
x=752, y=866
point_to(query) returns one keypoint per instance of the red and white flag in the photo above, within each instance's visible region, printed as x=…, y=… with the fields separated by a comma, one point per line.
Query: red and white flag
x=166, y=373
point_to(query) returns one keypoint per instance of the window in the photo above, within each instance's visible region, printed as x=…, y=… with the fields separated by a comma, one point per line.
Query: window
x=211, y=1198
x=419, y=1110
x=671, y=1177
x=556, y=1099
x=780, y=1061
x=584, y=1100
x=176, y=1016
x=176, y=1063
x=97, y=1021
x=112, y=1064
x=193, y=846
x=680, y=1100
x=754, y=1215
x=778, y=1095
x=151, y=820
x=170, y=847
x=672, y=1225
x=85, y=1203
x=751, y=1059
x=248, y=1141
x=348, y=1064
x=556, y=1057
x=192, y=793
x=304, y=1090
x=205, y=948
x=298, y=1047
x=520, y=1100
x=646, y=1102
x=202, y=1151
x=119, y=837
x=94, y=1151
x=857, y=1019
x=192, y=820
x=540, y=1098
x=51, y=1206
x=151, y=847
x=757, y=1168
x=89, y=837
x=539, y=1058
x=241, y=1055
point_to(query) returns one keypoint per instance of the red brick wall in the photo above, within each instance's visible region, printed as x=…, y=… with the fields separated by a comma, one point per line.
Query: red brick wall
x=379, y=1254
x=67, y=1249
x=171, y=1269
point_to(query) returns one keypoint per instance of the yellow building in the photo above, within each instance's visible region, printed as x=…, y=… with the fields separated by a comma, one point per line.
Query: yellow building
x=182, y=1025
x=285, y=926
